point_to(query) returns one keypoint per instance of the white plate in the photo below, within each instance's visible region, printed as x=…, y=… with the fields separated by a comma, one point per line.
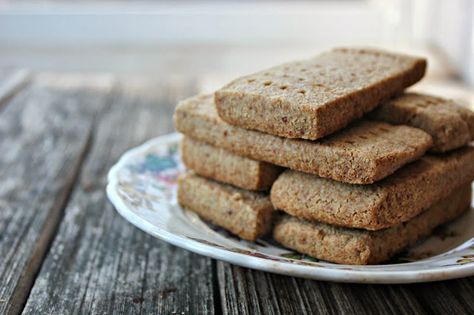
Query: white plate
x=142, y=186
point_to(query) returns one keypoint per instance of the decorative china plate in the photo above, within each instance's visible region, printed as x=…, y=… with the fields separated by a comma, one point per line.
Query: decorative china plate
x=142, y=187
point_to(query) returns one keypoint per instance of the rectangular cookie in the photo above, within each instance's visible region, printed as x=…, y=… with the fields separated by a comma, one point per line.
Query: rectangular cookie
x=227, y=167
x=361, y=247
x=450, y=125
x=361, y=154
x=396, y=199
x=313, y=98
x=244, y=213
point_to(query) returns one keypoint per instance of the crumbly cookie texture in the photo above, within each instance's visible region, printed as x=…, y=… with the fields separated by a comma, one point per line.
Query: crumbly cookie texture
x=361, y=247
x=244, y=213
x=396, y=199
x=227, y=167
x=451, y=125
x=313, y=98
x=363, y=153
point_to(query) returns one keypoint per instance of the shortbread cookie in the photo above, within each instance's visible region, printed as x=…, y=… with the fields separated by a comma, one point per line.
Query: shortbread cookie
x=313, y=98
x=396, y=199
x=244, y=213
x=224, y=166
x=363, y=153
x=450, y=124
x=360, y=247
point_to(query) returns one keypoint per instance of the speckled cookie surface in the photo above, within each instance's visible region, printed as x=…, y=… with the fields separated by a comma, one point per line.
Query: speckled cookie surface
x=450, y=124
x=245, y=213
x=365, y=152
x=313, y=98
x=353, y=246
x=227, y=167
x=396, y=199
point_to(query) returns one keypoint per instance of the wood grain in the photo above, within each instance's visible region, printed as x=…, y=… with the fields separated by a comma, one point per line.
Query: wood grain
x=12, y=81
x=99, y=263
x=445, y=297
x=45, y=131
x=245, y=291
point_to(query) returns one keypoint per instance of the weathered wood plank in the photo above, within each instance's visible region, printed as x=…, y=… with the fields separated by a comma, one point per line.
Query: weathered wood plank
x=445, y=297
x=12, y=81
x=44, y=132
x=101, y=264
x=245, y=291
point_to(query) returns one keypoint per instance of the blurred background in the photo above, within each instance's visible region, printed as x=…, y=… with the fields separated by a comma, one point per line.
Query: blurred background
x=207, y=43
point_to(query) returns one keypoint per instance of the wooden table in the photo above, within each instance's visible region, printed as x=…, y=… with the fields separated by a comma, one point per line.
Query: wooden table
x=65, y=250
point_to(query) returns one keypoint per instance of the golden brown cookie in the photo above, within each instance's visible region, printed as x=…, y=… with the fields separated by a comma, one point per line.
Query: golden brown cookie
x=363, y=153
x=245, y=213
x=361, y=247
x=313, y=98
x=227, y=167
x=396, y=199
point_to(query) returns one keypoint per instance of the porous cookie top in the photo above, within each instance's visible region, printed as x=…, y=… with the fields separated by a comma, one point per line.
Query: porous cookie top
x=426, y=103
x=375, y=139
x=316, y=82
x=450, y=125
x=437, y=108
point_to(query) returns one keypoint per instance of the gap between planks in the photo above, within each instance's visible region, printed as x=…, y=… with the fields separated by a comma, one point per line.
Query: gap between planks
x=14, y=82
x=42, y=239
x=45, y=239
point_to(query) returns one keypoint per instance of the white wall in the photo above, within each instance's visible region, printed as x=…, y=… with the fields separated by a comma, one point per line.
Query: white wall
x=127, y=35
x=229, y=22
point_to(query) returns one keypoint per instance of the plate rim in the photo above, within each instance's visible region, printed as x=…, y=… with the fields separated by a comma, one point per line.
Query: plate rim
x=283, y=268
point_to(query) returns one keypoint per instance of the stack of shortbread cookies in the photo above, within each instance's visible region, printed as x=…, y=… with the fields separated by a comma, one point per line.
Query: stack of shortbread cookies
x=357, y=168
